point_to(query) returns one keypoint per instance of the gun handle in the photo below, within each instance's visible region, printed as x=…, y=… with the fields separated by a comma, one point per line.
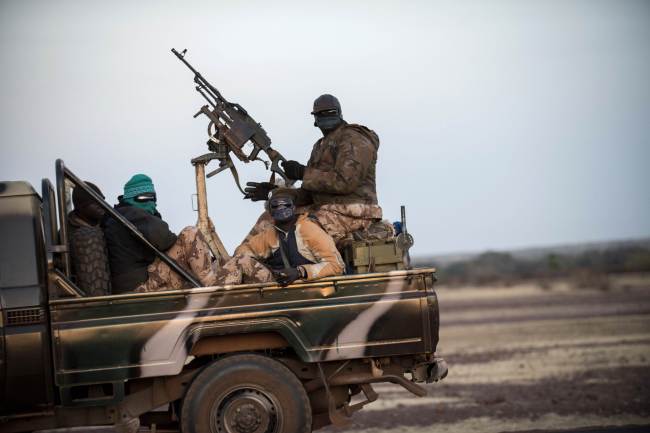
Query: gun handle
x=276, y=158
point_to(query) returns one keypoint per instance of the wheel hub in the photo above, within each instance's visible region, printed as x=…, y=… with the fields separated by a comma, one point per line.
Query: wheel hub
x=246, y=411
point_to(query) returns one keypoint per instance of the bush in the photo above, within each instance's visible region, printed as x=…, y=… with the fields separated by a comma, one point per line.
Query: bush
x=587, y=269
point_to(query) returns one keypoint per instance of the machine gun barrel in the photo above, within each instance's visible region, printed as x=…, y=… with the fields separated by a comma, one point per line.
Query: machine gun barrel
x=202, y=82
x=181, y=57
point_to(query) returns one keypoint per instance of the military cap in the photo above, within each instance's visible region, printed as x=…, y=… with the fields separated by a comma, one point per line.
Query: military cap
x=326, y=102
x=284, y=192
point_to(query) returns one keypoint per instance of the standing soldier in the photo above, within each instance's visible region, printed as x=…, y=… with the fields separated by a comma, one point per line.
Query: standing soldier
x=338, y=182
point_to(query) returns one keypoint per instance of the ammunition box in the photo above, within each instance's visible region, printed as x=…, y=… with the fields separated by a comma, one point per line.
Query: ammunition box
x=372, y=256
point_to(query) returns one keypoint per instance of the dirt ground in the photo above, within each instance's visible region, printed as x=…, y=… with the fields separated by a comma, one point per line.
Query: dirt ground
x=523, y=359
x=526, y=359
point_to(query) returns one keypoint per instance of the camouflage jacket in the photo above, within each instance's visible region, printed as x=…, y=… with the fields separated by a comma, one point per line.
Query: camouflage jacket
x=341, y=169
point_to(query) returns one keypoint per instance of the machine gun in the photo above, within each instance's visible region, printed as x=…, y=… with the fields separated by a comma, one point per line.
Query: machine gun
x=230, y=128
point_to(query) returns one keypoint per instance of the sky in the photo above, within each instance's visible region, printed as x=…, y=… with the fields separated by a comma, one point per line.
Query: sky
x=503, y=124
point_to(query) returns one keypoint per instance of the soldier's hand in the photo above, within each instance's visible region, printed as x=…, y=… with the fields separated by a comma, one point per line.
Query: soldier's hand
x=293, y=169
x=257, y=191
x=288, y=276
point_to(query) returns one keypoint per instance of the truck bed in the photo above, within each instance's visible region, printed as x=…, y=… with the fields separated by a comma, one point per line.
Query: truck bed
x=121, y=337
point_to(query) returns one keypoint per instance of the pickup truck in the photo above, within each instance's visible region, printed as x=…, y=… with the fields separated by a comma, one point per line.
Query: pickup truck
x=248, y=358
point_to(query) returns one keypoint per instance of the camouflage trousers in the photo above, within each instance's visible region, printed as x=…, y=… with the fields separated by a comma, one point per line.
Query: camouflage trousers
x=243, y=269
x=338, y=220
x=191, y=252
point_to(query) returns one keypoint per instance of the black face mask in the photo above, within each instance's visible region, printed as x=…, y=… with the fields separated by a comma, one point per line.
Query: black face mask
x=92, y=212
x=282, y=209
x=328, y=120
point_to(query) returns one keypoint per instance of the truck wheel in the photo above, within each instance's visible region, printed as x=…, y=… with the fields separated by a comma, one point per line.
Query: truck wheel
x=90, y=261
x=246, y=394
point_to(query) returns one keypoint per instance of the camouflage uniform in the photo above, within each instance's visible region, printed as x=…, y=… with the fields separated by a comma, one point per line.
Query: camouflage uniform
x=243, y=269
x=338, y=187
x=312, y=245
x=191, y=252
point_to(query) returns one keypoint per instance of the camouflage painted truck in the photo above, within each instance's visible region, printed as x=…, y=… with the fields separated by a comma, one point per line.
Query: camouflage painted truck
x=245, y=359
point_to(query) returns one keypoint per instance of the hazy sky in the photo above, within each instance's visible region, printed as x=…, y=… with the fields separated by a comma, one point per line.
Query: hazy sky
x=502, y=123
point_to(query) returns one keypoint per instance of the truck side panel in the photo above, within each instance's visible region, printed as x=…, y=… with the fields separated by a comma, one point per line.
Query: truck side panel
x=114, y=338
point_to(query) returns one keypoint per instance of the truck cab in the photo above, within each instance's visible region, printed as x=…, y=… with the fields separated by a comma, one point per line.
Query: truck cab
x=25, y=351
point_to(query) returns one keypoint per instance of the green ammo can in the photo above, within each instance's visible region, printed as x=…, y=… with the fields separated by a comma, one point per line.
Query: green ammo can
x=373, y=256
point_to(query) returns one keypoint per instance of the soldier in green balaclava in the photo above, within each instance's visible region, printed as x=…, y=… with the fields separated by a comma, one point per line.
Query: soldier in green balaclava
x=140, y=192
x=134, y=266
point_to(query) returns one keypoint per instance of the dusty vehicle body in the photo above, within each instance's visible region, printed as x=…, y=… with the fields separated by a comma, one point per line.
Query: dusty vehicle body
x=67, y=359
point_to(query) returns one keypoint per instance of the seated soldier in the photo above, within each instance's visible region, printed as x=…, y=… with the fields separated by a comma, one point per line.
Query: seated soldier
x=134, y=266
x=88, y=255
x=338, y=183
x=294, y=247
x=86, y=213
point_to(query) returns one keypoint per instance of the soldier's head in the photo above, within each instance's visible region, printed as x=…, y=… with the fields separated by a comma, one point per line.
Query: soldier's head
x=282, y=205
x=140, y=192
x=85, y=206
x=327, y=113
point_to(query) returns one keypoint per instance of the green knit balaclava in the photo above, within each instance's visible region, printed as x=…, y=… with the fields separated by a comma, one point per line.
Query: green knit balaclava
x=139, y=184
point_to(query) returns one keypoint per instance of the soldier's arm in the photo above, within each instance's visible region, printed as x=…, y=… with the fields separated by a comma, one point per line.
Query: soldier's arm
x=258, y=246
x=155, y=230
x=321, y=245
x=303, y=197
x=355, y=155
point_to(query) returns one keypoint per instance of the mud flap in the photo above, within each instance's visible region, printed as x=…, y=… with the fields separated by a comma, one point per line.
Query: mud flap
x=341, y=417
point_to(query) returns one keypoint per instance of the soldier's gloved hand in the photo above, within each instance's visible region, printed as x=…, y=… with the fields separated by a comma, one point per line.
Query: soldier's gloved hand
x=257, y=191
x=288, y=276
x=293, y=169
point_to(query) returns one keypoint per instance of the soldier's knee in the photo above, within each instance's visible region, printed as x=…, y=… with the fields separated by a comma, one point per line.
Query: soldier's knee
x=189, y=234
x=189, y=231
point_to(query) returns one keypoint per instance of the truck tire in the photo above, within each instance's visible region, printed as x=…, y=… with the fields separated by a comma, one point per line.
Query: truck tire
x=90, y=261
x=246, y=394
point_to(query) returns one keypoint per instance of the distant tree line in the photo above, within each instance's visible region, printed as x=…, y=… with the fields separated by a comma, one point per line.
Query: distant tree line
x=584, y=269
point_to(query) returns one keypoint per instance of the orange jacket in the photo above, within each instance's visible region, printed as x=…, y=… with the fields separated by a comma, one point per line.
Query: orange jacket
x=312, y=241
